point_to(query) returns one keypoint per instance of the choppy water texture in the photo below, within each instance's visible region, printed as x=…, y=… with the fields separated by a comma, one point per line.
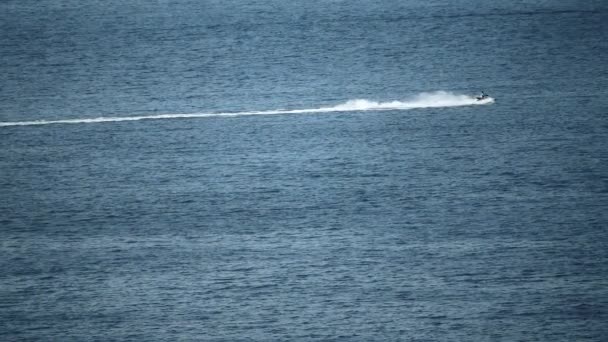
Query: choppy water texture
x=282, y=170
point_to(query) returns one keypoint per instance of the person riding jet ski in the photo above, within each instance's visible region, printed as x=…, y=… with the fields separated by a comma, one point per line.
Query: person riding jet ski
x=482, y=96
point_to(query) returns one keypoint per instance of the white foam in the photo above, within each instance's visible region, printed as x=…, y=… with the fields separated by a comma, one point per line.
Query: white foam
x=424, y=100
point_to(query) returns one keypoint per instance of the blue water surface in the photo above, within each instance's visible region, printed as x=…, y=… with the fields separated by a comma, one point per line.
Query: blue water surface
x=450, y=223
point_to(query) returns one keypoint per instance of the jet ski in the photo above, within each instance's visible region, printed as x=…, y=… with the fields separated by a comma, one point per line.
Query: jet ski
x=482, y=96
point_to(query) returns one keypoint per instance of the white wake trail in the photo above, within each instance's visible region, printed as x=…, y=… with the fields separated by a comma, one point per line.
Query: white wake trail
x=424, y=100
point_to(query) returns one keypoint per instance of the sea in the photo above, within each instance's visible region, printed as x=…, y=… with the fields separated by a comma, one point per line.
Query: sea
x=271, y=170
